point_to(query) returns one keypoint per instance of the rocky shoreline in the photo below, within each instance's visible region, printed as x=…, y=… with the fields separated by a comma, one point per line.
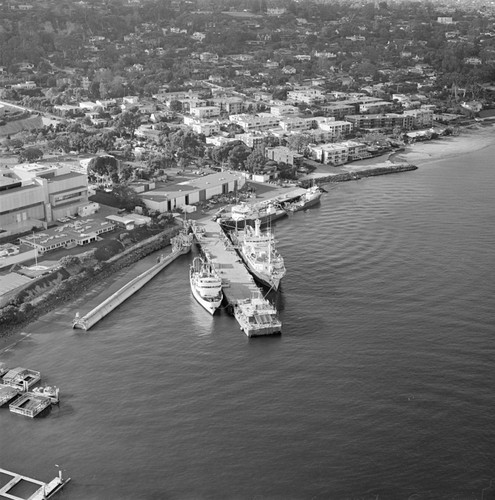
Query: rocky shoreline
x=362, y=172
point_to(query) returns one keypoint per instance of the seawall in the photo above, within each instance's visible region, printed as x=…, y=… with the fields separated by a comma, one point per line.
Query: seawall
x=15, y=316
x=371, y=171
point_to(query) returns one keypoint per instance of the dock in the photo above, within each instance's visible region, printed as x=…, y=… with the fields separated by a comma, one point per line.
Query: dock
x=30, y=404
x=237, y=283
x=8, y=393
x=9, y=481
x=181, y=244
x=21, y=378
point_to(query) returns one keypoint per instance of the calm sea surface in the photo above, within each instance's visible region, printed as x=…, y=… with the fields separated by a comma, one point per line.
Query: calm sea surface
x=381, y=386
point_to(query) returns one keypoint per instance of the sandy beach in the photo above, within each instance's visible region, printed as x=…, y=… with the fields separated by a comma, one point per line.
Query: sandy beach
x=470, y=139
x=473, y=138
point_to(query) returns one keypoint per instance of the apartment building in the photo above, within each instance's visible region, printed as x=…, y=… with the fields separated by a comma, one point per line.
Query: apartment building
x=261, y=121
x=332, y=154
x=283, y=154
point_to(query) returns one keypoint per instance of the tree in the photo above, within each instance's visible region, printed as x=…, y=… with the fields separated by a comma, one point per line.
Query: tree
x=127, y=122
x=255, y=162
x=237, y=156
x=298, y=142
x=30, y=154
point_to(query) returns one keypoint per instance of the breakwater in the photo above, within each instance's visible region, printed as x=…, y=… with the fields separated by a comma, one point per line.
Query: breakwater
x=360, y=174
x=181, y=244
x=17, y=314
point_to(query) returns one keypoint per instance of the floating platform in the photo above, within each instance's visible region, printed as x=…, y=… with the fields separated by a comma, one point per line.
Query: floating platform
x=21, y=378
x=40, y=490
x=30, y=404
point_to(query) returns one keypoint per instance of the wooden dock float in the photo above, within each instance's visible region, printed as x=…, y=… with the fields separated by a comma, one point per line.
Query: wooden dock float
x=21, y=378
x=7, y=394
x=30, y=404
x=42, y=490
x=181, y=244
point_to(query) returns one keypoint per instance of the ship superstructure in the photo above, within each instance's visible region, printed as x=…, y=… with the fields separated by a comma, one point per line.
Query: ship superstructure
x=258, y=251
x=206, y=285
x=256, y=316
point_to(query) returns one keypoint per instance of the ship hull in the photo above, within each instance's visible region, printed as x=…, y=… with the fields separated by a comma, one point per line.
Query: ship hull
x=252, y=331
x=304, y=206
x=262, y=278
x=210, y=305
x=230, y=224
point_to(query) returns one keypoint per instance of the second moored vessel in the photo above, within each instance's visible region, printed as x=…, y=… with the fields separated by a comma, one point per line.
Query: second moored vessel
x=206, y=284
x=257, y=250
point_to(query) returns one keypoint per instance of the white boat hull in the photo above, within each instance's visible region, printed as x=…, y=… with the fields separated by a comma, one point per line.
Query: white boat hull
x=210, y=305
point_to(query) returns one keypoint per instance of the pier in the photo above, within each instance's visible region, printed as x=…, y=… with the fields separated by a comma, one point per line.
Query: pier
x=30, y=404
x=237, y=283
x=239, y=288
x=181, y=244
x=39, y=490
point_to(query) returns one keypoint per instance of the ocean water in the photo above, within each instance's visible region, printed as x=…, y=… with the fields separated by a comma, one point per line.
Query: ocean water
x=381, y=385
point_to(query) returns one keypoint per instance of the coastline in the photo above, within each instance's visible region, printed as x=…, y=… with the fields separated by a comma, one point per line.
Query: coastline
x=472, y=138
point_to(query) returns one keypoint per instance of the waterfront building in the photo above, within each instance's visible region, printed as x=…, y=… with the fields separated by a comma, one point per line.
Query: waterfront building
x=77, y=233
x=37, y=194
x=171, y=197
x=332, y=154
x=383, y=122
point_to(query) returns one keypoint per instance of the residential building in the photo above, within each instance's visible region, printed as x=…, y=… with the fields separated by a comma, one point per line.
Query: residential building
x=205, y=112
x=421, y=117
x=332, y=154
x=382, y=122
x=283, y=154
x=261, y=121
x=295, y=123
x=252, y=139
x=307, y=95
x=334, y=128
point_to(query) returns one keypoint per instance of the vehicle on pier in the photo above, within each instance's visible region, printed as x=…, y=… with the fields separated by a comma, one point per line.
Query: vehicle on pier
x=206, y=284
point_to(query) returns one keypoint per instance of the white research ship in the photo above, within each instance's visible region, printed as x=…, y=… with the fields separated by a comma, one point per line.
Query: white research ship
x=257, y=250
x=206, y=285
x=256, y=316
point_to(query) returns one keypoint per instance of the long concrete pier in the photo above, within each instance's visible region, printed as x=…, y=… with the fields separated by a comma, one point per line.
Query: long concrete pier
x=237, y=283
x=181, y=244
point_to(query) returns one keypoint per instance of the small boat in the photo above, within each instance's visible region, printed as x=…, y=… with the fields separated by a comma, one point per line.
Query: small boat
x=50, y=392
x=206, y=285
x=256, y=316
